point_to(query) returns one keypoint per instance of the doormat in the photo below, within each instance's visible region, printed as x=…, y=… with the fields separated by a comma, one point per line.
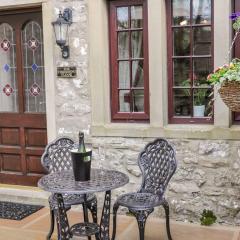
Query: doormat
x=17, y=211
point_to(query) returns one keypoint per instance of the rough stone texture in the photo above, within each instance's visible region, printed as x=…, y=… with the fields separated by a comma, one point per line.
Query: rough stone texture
x=208, y=171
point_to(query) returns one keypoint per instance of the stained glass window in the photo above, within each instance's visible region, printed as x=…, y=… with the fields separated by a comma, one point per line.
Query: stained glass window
x=33, y=61
x=8, y=83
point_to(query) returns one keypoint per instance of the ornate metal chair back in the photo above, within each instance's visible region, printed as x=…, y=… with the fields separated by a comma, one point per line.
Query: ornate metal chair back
x=57, y=155
x=157, y=163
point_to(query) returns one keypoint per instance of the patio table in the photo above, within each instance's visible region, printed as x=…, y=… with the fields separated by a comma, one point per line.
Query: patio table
x=101, y=180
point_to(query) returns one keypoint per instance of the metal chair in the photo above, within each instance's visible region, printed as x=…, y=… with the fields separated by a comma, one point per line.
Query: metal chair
x=157, y=163
x=57, y=158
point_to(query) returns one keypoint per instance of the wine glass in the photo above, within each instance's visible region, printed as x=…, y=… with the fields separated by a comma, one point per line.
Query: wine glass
x=101, y=157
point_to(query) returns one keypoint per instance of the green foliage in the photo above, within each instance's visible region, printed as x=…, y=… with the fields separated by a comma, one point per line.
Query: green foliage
x=226, y=73
x=236, y=25
x=200, y=97
x=207, y=217
x=186, y=83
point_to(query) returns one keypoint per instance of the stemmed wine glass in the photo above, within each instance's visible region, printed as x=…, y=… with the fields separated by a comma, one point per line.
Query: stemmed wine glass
x=101, y=157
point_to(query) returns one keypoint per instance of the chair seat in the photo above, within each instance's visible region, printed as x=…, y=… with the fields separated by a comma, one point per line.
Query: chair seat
x=70, y=199
x=139, y=201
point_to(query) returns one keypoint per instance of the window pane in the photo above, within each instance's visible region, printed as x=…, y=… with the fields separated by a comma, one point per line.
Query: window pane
x=181, y=41
x=182, y=73
x=123, y=45
x=136, y=17
x=201, y=11
x=137, y=44
x=137, y=74
x=122, y=17
x=138, y=100
x=237, y=116
x=8, y=81
x=124, y=100
x=202, y=40
x=202, y=67
x=33, y=68
x=124, y=74
x=181, y=12
x=201, y=100
x=128, y=42
x=182, y=102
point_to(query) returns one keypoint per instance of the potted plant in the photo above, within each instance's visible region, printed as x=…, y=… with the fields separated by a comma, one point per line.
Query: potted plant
x=199, y=98
x=199, y=102
x=227, y=77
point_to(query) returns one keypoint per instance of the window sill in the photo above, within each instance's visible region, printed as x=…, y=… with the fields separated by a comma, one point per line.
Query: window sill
x=186, y=131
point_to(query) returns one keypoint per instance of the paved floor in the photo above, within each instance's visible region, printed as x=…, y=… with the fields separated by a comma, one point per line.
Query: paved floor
x=35, y=227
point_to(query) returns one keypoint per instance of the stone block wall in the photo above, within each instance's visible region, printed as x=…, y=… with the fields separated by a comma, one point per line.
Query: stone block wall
x=208, y=171
x=207, y=176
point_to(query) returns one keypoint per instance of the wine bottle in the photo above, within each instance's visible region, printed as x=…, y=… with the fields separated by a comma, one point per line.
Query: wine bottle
x=81, y=147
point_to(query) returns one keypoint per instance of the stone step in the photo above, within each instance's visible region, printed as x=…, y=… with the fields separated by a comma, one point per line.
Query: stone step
x=23, y=194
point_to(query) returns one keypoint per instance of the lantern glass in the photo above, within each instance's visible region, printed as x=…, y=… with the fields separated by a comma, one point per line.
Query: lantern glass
x=61, y=30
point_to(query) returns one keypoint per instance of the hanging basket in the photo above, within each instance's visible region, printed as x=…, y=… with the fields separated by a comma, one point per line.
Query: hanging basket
x=230, y=94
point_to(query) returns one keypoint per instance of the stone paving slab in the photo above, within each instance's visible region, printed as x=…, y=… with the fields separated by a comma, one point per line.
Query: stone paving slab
x=35, y=227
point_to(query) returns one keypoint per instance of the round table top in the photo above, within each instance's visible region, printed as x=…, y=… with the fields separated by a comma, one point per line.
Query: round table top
x=101, y=181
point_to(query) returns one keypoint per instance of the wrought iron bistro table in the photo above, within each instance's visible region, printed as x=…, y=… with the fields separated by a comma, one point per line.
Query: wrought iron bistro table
x=63, y=182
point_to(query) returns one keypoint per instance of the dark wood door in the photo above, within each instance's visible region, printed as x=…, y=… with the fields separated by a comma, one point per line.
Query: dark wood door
x=23, y=133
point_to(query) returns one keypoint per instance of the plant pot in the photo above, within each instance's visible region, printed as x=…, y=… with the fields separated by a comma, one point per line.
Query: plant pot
x=198, y=111
x=81, y=163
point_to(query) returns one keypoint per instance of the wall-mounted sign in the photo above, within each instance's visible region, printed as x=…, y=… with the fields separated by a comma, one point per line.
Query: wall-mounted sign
x=66, y=72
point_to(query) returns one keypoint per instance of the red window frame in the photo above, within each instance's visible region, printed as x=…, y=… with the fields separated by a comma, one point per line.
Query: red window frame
x=236, y=54
x=171, y=117
x=116, y=115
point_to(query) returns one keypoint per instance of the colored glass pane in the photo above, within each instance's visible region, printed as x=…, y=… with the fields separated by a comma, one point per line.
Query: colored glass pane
x=33, y=68
x=8, y=83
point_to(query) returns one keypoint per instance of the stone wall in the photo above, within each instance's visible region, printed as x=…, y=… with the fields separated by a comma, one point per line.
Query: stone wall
x=207, y=176
x=208, y=171
x=73, y=108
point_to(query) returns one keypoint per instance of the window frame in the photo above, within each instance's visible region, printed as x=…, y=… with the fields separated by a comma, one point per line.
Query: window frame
x=117, y=116
x=171, y=118
x=236, y=53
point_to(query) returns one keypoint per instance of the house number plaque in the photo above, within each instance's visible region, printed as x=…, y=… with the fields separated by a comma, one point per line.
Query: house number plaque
x=66, y=72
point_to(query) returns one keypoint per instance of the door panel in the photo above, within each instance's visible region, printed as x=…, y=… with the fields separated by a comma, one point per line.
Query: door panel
x=36, y=137
x=34, y=165
x=12, y=163
x=10, y=136
x=23, y=133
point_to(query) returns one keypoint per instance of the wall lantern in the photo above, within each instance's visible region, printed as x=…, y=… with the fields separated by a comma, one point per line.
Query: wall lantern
x=61, y=26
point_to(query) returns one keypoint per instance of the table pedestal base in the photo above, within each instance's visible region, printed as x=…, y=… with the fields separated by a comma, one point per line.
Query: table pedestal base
x=101, y=232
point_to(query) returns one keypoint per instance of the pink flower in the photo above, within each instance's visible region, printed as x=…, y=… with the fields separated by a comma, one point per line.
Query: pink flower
x=209, y=76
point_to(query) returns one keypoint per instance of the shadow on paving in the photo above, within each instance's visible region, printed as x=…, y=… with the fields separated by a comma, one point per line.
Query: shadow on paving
x=35, y=227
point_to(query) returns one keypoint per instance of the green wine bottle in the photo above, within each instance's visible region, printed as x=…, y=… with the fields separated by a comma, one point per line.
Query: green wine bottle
x=81, y=147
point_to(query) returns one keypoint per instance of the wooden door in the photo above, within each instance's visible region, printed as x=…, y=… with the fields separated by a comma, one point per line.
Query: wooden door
x=23, y=133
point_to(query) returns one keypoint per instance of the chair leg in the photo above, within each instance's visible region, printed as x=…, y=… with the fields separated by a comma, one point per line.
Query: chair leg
x=85, y=215
x=52, y=222
x=166, y=208
x=115, y=209
x=141, y=216
x=92, y=206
